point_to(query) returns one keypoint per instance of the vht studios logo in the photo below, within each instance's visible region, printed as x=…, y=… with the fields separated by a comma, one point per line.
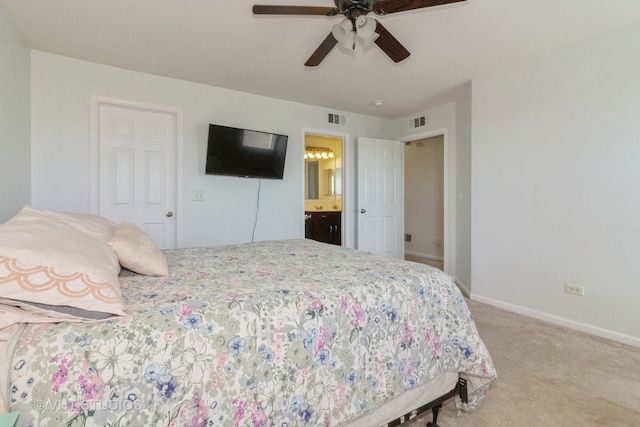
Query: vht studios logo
x=88, y=405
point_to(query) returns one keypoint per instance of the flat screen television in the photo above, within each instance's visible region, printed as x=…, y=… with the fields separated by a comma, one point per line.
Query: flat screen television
x=247, y=153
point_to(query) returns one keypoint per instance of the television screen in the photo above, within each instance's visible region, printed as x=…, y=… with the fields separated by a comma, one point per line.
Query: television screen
x=246, y=153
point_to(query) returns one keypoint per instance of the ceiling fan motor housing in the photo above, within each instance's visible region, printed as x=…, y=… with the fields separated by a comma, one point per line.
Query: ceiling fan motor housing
x=354, y=8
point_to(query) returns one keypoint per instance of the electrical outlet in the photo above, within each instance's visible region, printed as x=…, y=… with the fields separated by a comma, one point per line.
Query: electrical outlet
x=407, y=237
x=574, y=289
x=198, y=196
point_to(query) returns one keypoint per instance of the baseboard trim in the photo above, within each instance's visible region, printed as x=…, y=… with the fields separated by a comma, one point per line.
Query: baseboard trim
x=561, y=321
x=425, y=256
x=464, y=289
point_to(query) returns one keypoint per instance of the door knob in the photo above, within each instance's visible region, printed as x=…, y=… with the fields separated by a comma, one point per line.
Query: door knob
x=169, y=214
x=363, y=211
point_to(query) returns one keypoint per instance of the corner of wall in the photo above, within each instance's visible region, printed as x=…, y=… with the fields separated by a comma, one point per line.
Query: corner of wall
x=15, y=130
x=466, y=291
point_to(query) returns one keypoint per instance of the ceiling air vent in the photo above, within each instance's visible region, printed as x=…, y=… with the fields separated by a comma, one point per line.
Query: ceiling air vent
x=335, y=119
x=418, y=122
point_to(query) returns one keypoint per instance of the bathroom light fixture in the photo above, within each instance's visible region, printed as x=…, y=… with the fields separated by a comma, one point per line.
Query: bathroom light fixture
x=318, y=153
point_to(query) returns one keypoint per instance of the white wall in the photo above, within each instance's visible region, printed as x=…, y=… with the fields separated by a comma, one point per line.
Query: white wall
x=61, y=91
x=556, y=186
x=15, y=171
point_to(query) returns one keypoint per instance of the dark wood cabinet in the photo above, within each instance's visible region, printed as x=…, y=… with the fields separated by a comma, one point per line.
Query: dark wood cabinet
x=323, y=227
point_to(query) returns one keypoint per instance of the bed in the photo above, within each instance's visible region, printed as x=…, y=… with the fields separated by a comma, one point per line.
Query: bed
x=276, y=333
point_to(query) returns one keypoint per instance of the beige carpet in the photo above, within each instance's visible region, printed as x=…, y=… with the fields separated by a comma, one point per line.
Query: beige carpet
x=431, y=262
x=550, y=376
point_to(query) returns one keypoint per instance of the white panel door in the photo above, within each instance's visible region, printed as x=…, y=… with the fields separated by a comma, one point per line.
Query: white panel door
x=380, y=197
x=137, y=170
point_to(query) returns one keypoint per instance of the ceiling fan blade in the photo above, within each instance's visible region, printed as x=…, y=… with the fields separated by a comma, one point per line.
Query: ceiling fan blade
x=263, y=9
x=323, y=50
x=384, y=7
x=390, y=45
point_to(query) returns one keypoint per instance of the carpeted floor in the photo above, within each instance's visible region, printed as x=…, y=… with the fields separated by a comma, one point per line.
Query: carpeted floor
x=550, y=376
x=431, y=262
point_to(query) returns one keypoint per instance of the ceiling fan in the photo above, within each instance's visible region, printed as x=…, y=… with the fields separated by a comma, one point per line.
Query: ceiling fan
x=355, y=24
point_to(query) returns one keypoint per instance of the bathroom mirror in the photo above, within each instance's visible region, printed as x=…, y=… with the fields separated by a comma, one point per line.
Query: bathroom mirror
x=311, y=176
x=320, y=179
x=329, y=182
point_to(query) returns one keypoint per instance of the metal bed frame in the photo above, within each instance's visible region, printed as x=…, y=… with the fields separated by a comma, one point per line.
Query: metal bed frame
x=459, y=390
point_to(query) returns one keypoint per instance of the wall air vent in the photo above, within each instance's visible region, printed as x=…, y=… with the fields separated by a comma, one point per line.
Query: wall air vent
x=335, y=119
x=418, y=122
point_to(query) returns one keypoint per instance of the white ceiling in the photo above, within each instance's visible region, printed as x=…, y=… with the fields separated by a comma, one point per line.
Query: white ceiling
x=221, y=43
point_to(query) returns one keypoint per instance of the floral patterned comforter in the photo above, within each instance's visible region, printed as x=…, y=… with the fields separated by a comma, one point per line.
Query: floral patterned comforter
x=280, y=333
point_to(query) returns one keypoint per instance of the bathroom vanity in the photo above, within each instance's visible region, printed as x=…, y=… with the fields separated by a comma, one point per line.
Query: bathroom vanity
x=323, y=226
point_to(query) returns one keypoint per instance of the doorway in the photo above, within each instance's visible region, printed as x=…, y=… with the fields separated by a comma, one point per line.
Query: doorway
x=425, y=201
x=324, y=187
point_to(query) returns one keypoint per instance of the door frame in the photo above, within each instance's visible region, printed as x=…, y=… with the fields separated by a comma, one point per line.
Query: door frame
x=97, y=101
x=448, y=238
x=345, y=220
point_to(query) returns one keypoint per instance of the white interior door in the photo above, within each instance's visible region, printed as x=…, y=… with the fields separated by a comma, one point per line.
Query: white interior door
x=137, y=169
x=380, y=197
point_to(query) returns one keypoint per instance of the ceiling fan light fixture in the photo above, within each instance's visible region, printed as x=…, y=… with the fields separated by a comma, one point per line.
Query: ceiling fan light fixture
x=366, y=42
x=365, y=26
x=343, y=32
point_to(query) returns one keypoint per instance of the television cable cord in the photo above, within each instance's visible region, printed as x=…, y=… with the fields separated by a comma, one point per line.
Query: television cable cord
x=255, y=222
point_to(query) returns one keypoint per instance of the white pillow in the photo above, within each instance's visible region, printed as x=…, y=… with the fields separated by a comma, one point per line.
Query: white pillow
x=47, y=263
x=94, y=225
x=137, y=252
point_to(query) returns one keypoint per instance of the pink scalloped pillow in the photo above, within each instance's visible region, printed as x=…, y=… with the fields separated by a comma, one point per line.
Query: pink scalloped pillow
x=48, y=266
